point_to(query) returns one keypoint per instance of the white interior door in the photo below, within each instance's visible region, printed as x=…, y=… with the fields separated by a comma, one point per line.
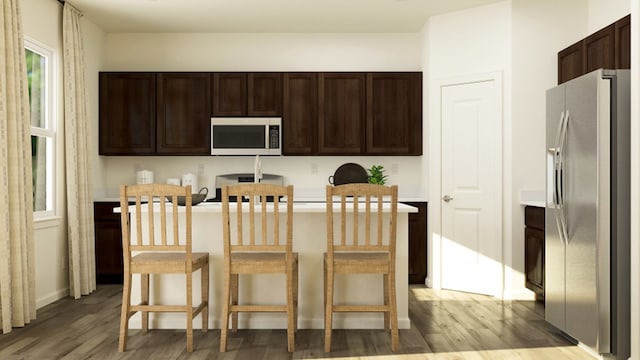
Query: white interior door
x=471, y=170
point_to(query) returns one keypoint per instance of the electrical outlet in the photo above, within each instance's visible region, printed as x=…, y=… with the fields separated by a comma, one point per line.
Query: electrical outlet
x=137, y=167
x=314, y=169
x=394, y=168
x=200, y=169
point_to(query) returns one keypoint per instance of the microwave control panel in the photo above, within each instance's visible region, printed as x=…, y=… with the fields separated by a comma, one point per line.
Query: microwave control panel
x=274, y=136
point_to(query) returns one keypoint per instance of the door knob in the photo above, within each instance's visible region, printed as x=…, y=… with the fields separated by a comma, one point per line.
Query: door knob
x=447, y=198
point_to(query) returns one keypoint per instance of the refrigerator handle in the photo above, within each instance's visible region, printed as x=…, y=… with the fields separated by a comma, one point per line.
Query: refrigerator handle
x=564, y=233
x=555, y=168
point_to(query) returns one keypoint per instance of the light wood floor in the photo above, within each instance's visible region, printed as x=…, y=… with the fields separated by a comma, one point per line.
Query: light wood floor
x=445, y=325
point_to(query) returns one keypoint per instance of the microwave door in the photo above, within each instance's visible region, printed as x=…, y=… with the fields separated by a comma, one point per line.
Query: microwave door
x=244, y=136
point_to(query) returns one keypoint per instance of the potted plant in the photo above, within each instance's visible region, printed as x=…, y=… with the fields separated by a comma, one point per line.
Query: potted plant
x=376, y=175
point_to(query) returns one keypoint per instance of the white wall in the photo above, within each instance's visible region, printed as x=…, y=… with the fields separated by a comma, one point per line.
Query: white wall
x=540, y=29
x=605, y=12
x=469, y=42
x=262, y=52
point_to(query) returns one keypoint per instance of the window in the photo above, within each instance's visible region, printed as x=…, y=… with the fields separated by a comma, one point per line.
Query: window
x=43, y=135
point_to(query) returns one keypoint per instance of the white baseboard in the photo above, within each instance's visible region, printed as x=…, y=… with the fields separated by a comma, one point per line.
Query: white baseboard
x=52, y=297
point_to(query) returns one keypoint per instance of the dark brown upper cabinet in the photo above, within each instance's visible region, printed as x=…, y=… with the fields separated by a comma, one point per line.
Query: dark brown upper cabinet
x=394, y=114
x=229, y=94
x=599, y=49
x=184, y=114
x=623, y=43
x=342, y=113
x=570, y=62
x=247, y=94
x=127, y=113
x=264, y=94
x=608, y=48
x=300, y=113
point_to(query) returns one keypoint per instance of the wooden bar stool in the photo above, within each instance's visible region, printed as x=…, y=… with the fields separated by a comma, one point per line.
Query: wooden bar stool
x=355, y=252
x=268, y=253
x=146, y=253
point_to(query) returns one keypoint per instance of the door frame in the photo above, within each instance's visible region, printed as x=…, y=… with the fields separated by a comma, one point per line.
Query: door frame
x=434, y=241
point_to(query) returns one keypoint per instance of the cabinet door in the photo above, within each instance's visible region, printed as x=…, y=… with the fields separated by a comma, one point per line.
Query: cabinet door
x=599, y=49
x=534, y=260
x=300, y=114
x=571, y=62
x=184, y=108
x=394, y=114
x=229, y=94
x=108, y=244
x=341, y=119
x=264, y=94
x=623, y=43
x=418, y=244
x=127, y=113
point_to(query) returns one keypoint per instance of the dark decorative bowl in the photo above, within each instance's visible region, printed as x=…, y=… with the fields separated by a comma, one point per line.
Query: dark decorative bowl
x=195, y=198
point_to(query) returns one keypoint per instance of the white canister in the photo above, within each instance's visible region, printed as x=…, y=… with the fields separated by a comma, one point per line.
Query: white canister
x=144, y=177
x=191, y=179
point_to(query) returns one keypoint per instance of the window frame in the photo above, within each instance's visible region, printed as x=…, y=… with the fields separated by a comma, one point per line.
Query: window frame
x=51, y=125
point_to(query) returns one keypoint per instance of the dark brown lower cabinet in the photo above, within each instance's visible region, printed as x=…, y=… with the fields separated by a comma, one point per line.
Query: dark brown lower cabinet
x=534, y=250
x=108, y=243
x=418, y=243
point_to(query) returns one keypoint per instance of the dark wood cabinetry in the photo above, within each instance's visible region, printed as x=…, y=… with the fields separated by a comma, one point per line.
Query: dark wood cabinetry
x=247, y=94
x=264, y=94
x=184, y=114
x=341, y=120
x=155, y=113
x=608, y=48
x=127, y=113
x=418, y=243
x=339, y=113
x=394, y=113
x=534, y=250
x=623, y=43
x=108, y=243
x=599, y=49
x=229, y=94
x=300, y=113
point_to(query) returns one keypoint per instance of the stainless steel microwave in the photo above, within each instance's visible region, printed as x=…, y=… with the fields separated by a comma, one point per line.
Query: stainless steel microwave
x=246, y=136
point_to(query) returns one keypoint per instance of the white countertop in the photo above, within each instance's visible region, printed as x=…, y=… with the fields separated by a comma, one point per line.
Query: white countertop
x=302, y=195
x=298, y=207
x=532, y=198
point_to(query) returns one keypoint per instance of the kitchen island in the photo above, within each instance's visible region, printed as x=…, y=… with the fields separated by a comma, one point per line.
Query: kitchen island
x=309, y=240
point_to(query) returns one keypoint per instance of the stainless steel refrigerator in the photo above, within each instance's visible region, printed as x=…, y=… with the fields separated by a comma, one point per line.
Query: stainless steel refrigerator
x=587, y=226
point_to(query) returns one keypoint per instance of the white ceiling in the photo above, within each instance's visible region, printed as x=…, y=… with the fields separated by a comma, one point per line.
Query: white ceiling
x=208, y=16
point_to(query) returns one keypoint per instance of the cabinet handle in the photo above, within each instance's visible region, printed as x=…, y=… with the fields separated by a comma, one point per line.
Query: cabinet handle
x=447, y=198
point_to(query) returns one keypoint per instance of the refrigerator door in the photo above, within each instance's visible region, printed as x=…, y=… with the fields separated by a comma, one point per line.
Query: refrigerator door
x=554, y=244
x=586, y=176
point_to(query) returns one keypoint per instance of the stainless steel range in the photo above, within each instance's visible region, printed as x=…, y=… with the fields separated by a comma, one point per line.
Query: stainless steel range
x=233, y=179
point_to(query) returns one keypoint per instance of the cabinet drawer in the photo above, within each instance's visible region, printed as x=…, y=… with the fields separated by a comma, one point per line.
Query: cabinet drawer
x=104, y=211
x=534, y=217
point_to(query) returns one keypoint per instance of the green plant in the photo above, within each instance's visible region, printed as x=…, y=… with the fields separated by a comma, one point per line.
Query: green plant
x=376, y=175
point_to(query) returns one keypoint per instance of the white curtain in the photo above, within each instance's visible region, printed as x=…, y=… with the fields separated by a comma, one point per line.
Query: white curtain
x=17, y=268
x=82, y=274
